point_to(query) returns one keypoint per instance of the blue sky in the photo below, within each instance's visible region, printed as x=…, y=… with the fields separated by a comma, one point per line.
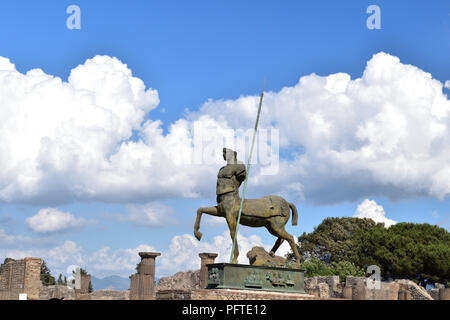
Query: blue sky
x=198, y=50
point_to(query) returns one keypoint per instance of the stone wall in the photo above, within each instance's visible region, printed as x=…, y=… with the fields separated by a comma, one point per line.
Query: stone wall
x=356, y=288
x=417, y=292
x=189, y=280
x=324, y=287
x=68, y=293
x=20, y=276
x=228, y=294
x=110, y=295
x=57, y=292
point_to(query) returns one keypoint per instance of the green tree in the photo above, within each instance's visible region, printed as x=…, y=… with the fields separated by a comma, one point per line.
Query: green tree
x=60, y=280
x=46, y=278
x=316, y=267
x=65, y=281
x=419, y=252
x=333, y=239
x=343, y=269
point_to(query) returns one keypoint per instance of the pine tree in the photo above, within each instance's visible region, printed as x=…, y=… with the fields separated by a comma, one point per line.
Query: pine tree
x=46, y=278
x=65, y=281
x=59, y=281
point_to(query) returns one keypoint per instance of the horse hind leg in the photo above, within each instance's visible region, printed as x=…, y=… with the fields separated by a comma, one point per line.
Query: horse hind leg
x=280, y=232
x=275, y=247
x=208, y=210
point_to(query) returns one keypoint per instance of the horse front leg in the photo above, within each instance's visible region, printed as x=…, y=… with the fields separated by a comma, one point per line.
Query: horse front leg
x=232, y=223
x=208, y=210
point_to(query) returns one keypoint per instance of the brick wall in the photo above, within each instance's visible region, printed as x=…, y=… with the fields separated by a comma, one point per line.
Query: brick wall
x=20, y=276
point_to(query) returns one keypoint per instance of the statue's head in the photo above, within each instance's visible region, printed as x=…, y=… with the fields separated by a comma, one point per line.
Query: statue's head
x=229, y=155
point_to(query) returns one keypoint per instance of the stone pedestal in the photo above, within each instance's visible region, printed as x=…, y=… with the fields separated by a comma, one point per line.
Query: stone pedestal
x=142, y=286
x=245, y=277
x=206, y=258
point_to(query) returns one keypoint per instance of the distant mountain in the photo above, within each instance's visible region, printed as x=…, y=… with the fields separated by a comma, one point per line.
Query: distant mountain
x=111, y=283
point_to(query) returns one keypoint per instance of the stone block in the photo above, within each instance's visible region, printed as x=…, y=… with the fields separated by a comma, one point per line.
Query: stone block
x=324, y=290
x=258, y=256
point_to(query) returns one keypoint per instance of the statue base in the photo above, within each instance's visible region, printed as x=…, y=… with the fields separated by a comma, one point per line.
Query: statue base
x=256, y=278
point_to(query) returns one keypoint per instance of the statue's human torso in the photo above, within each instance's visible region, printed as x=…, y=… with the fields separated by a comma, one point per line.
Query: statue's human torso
x=230, y=178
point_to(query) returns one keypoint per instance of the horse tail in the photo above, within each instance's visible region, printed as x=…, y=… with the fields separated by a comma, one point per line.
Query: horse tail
x=294, y=214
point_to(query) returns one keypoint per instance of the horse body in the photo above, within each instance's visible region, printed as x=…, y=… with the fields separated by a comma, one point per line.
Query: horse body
x=272, y=212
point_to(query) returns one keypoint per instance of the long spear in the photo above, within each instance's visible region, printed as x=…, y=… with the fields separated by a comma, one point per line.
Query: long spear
x=248, y=171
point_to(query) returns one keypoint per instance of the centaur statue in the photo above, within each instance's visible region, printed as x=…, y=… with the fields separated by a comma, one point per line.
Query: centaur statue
x=271, y=212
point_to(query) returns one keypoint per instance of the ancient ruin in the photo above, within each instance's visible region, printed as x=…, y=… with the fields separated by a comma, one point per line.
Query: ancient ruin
x=142, y=285
x=20, y=277
x=23, y=277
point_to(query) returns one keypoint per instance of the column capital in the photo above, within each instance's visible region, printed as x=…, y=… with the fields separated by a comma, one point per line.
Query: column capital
x=147, y=255
x=208, y=255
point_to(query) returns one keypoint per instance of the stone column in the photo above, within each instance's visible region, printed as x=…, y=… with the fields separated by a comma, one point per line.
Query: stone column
x=32, y=278
x=146, y=275
x=134, y=287
x=444, y=293
x=85, y=280
x=207, y=258
x=347, y=293
x=147, y=265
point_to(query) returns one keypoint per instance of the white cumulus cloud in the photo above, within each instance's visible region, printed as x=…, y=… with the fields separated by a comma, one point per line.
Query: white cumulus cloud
x=386, y=133
x=147, y=215
x=50, y=220
x=370, y=209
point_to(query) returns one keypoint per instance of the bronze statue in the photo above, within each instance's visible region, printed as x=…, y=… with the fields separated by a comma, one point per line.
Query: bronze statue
x=271, y=212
